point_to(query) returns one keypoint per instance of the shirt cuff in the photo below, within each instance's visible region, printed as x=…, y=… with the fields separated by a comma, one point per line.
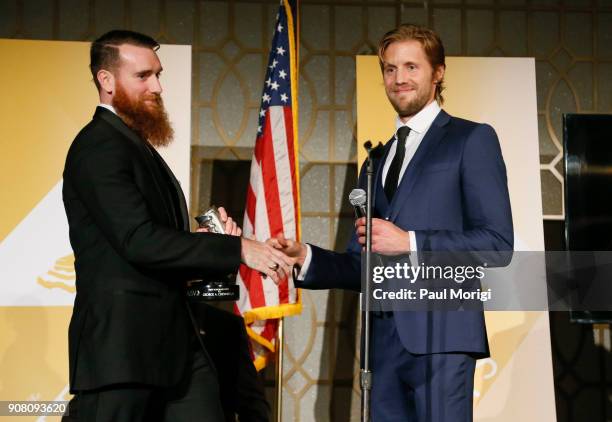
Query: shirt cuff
x=304, y=269
x=413, y=242
x=413, y=248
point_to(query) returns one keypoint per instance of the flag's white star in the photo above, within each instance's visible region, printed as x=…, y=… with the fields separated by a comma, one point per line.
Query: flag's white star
x=273, y=65
x=284, y=98
x=282, y=74
x=274, y=85
x=258, y=128
x=280, y=50
x=280, y=28
x=266, y=98
x=268, y=82
x=262, y=112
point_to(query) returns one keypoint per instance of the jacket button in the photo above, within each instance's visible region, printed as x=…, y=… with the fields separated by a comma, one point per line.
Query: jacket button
x=202, y=332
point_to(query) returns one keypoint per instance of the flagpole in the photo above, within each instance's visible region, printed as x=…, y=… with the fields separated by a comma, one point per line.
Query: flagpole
x=279, y=369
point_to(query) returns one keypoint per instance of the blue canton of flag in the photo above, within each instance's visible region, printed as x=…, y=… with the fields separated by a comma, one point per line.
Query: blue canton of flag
x=277, y=87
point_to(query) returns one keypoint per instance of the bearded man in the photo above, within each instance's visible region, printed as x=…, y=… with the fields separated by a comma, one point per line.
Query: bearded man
x=134, y=349
x=440, y=185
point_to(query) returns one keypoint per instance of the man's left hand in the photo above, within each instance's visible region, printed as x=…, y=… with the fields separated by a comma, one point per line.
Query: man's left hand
x=387, y=238
x=231, y=227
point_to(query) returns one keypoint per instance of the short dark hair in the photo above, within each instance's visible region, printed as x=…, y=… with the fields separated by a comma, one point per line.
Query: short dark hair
x=429, y=40
x=104, y=52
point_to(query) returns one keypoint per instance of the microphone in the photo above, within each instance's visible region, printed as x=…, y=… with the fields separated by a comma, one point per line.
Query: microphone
x=358, y=198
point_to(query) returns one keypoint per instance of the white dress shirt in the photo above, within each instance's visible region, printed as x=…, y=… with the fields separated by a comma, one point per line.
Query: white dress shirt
x=108, y=107
x=419, y=124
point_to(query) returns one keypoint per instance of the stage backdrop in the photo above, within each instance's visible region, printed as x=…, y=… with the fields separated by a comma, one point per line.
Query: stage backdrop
x=516, y=383
x=48, y=96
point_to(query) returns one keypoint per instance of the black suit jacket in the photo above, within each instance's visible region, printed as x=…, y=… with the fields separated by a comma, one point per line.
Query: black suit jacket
x=129, y=230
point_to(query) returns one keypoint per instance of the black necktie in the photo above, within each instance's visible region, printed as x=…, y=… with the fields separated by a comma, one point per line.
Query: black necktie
x=396, y=165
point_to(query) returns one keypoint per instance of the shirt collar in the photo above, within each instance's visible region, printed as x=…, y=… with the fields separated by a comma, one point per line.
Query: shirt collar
x=108, y=107
x=421, y=121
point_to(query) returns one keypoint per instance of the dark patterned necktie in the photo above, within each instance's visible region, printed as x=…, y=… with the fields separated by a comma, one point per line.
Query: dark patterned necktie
x=393, y=173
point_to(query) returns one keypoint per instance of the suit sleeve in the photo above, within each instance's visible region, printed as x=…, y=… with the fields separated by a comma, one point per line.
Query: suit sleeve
x=487, y=215
x=103, y=176
x=335, y=270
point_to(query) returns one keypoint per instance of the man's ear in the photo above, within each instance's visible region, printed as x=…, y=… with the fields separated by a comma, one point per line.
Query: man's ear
x=106, y=80
x=439, y=74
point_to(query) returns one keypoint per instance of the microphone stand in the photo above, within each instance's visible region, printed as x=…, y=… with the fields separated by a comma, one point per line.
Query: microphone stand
x=366, y=372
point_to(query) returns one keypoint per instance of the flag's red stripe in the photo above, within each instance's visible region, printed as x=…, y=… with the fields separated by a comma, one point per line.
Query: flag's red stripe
x=283, y=291
x=252, y=283
x=256, y=294
x=243, y=270
x=269, y=331
x=270, y=181
x=258, y=152
x=251, y=203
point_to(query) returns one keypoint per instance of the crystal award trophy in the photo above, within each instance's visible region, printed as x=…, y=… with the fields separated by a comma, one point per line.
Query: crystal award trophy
x=212, y=290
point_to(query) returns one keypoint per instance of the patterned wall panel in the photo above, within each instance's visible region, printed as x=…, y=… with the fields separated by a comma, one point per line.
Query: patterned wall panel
x=571, y=41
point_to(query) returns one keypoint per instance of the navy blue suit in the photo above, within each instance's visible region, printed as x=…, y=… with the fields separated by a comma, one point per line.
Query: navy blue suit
x=454, y=196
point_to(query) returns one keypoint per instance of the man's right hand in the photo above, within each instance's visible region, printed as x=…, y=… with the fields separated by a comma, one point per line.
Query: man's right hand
x=289, y=247
x=266, y=259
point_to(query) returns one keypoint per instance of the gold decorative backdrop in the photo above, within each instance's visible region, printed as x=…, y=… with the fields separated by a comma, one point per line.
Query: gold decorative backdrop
x=571, y=41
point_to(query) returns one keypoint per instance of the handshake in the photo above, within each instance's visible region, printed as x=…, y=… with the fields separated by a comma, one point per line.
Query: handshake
x=275, y=258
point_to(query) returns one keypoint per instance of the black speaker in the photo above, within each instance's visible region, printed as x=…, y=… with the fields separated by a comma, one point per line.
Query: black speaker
x=587, y=140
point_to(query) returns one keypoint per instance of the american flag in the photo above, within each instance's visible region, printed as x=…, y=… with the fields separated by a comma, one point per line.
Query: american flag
x=272, y=203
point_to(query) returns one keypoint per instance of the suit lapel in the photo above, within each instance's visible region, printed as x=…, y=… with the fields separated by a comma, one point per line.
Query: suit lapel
x=147, y=155
x=432, y=138
x=380, y=199
x=177, y=186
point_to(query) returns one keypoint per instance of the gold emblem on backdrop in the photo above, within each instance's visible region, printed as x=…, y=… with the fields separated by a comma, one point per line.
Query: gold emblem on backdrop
x=61, y=276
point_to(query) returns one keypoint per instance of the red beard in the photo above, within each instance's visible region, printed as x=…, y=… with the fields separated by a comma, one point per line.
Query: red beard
x=145, y=115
